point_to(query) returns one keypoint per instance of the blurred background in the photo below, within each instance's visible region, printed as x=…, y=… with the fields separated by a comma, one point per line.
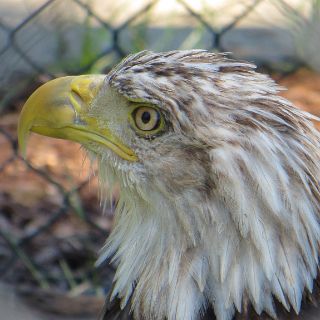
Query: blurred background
x=51, y=225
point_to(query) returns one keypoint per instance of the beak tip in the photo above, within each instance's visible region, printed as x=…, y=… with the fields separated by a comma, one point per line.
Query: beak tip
x=23, y=135
x=23, y=153
x=22, y=148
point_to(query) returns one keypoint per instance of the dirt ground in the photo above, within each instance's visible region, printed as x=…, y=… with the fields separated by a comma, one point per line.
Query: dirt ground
x=303, y=89
x=69, y=245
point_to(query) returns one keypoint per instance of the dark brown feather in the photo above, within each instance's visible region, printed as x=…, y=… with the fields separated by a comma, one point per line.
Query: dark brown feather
x=113, y=311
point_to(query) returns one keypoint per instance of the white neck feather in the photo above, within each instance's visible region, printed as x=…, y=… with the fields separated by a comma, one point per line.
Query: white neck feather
x=174, y=257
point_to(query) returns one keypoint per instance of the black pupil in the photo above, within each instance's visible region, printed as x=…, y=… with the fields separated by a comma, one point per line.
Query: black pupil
x=146, y=116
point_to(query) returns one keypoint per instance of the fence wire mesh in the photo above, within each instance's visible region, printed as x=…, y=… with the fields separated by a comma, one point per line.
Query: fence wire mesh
x=50, y=225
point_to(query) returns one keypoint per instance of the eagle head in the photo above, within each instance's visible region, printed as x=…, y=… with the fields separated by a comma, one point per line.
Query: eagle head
x=219, y=178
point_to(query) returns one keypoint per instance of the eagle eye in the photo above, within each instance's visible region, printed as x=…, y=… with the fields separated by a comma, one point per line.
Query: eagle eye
x=147, y=120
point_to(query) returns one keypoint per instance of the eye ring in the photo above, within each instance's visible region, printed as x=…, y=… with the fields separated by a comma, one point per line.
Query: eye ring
x=146, y=118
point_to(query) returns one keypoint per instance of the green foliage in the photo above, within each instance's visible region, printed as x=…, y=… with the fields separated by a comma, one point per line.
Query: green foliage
x=79, y=46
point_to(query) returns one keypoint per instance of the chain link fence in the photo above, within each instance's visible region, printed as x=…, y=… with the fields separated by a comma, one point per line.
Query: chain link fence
x=50, y=223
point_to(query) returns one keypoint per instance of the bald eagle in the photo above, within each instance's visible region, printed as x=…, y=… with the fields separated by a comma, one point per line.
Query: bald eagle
x=219, y=207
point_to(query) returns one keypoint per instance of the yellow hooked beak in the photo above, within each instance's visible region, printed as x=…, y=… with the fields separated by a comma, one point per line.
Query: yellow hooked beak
x=60, y=108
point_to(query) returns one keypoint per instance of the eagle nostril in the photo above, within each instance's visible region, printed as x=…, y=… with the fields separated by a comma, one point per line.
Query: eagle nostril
x=76, y=100
x=76, y=94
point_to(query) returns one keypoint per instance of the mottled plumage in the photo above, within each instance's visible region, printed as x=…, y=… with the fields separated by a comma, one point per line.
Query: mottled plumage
x=226, y=207
x=220, y=213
